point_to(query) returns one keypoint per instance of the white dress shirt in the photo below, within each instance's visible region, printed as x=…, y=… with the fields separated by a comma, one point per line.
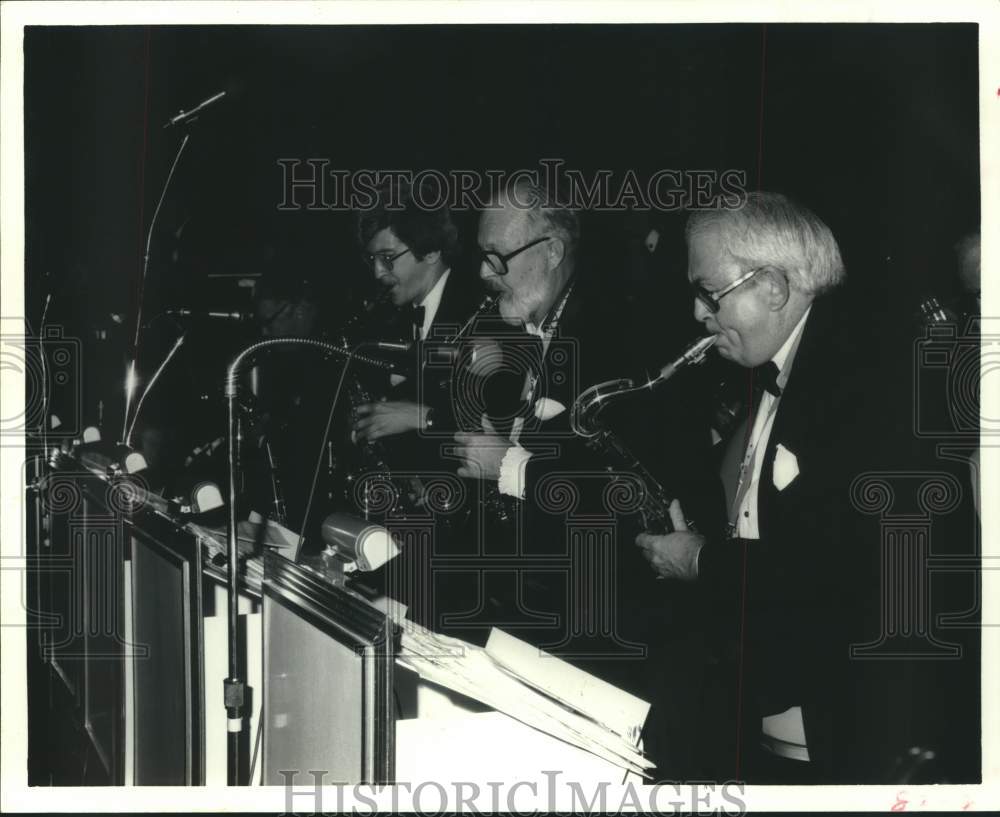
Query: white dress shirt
x=515, y=461
x=746, y=518
x=431, y=303
x=782, y=734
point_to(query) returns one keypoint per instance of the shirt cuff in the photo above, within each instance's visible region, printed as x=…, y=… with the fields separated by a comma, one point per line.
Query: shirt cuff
x=512, y=468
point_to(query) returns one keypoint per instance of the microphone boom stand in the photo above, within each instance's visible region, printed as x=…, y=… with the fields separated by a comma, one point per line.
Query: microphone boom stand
x=130, y=374
x=234, y=687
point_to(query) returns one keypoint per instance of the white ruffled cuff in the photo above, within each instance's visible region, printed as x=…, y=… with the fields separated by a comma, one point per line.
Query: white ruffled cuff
x=512, y=468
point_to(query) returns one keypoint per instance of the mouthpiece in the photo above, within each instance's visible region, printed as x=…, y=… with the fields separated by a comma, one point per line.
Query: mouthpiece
x=695, y=353
x=584, y=414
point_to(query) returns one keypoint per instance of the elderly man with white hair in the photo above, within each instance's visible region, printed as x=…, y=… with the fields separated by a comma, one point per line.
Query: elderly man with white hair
x=577, y=590
x=797, y=581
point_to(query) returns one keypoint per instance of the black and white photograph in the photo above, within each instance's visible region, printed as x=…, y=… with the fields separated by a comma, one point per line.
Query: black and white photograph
x=419, y=407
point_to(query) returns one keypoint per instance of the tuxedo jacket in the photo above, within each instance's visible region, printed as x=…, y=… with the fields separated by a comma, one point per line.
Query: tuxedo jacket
x=792, y=604
x=568, y=496
x=428, y=372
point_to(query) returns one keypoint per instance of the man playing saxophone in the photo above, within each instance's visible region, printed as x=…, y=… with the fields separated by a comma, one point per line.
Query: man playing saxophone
x=559, y=573
x=410, y=250
x=796, y=584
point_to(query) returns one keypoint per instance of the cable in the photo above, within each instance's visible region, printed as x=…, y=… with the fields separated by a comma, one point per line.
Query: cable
x=322, y=450
x=256, y=746
x=45, y=377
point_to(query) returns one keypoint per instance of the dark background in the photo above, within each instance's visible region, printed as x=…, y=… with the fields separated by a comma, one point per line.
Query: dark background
x=875, y=127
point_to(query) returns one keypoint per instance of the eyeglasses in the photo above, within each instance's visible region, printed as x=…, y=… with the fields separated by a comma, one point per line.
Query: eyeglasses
x=498, y=263
x=386, y=258
x=711, y=299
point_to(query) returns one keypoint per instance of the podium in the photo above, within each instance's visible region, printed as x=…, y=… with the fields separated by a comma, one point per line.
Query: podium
x=130, y=625
x=328, y=685
x=168, y=696
x=123, y=609
x=77, y=559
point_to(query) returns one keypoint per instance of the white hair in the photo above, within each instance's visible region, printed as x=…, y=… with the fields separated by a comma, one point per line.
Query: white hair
x=772, y=230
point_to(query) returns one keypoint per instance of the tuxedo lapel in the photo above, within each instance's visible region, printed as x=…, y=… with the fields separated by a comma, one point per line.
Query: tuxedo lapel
x=806, y=404
x=562, y=362
x=458, y=302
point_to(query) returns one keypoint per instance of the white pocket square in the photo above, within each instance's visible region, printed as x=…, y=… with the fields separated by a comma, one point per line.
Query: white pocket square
x=546, y=408
x=786, y=467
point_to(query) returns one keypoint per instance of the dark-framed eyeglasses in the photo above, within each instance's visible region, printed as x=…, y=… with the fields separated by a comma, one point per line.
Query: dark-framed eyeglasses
x=711, y=299
x=498, y=263
x=387, y=258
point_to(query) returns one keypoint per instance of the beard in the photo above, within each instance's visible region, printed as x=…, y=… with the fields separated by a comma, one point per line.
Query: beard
x=517, y=308
x=511, y=309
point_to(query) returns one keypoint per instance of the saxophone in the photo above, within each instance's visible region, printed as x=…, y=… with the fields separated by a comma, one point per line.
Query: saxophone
x=370, y=486
x=495, y=505
x=585, y=422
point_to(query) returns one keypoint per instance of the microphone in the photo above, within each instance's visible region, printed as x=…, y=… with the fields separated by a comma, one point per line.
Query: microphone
x=227, y=316
x=186, y=116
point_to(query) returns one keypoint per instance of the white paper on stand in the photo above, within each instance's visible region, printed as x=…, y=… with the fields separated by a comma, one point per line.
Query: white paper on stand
x=551, y=699
x=619, y=711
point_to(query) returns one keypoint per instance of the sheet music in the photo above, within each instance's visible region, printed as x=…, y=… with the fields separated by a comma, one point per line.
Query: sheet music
x=549, y=700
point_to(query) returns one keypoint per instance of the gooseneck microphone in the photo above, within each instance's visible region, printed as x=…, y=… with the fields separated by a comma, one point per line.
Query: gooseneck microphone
x=234, y=686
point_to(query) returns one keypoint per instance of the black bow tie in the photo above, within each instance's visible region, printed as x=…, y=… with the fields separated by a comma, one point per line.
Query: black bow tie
x=417, y=316
x=766, y=377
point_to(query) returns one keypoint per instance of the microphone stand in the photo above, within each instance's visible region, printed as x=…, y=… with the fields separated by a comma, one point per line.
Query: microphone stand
x=182, y=118
x=234, y=687
x=45, y=379
x=130, y=371
x=127, y=440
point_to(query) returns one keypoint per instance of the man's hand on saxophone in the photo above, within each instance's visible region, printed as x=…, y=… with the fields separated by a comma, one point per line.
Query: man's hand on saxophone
x=481, y=452
x=673, y=555
x=388, y=418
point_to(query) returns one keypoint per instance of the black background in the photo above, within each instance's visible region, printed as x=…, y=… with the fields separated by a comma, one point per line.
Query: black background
x=875, y=127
